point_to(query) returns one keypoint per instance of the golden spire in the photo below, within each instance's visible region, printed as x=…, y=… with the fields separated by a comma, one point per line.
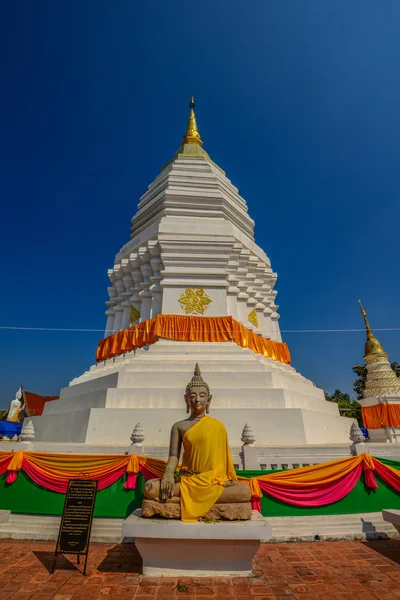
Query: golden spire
x=372, y=345
x=192, y=145
x=192, y=135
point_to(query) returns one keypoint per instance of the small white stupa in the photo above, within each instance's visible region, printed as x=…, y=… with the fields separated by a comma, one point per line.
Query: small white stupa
x=381, y=392
x=192, y=253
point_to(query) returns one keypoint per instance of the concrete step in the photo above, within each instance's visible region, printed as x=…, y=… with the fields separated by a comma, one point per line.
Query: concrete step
x=40, y=527
x=330, y=527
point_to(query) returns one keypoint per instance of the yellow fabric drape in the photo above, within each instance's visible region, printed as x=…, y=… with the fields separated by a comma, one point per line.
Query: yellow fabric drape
x=207, y=453
x=190, y=329
x=14, y=418
x=322, y=473
x=381, y=415
x=16, y=461
x=205, y=450
x=71, y=465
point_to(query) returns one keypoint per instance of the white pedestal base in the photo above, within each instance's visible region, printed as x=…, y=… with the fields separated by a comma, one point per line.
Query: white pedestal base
x=393, y=517
x=197, y=549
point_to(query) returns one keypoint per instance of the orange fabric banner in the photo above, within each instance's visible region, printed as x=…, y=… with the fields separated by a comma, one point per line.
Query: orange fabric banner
x=56, y=467
x=190, y=329
x=381, y=415
x=320, y=474
x=68, y=466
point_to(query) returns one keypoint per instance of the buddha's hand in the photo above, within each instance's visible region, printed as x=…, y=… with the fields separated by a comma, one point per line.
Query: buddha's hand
x=230, y=482
x=167, y=486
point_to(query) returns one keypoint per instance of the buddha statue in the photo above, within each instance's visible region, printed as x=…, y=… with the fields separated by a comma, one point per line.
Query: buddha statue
x=15, y=407
x=206, y=484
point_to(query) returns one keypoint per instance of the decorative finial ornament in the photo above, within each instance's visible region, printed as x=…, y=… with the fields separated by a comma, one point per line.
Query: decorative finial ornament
x=137, y=436
x=192, y=135
x=356, y=435
x=372, y=345
x=27, y=432
x=248, y=436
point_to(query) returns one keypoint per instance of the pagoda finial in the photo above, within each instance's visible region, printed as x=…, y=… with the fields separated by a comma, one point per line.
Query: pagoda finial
x=192, y=135
x=372, y=345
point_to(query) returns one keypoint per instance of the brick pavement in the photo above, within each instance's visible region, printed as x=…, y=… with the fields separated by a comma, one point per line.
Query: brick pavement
x=304, y=571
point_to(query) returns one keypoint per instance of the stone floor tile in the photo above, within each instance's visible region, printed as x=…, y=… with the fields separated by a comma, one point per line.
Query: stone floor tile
x=299, y=588
x=323, y=571
x=281, y=590
x=315, y=588
x=240, y=581
x=11, y=586
x=224, y=592
x=260, y=590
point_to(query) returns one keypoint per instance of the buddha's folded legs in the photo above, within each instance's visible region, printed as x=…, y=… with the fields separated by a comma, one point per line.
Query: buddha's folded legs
x=239, y=492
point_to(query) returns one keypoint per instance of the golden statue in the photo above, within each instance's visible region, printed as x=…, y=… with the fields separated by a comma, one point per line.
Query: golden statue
x=206, y=485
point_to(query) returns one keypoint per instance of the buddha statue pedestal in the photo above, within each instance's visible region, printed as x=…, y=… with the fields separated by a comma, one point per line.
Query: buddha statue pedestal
x=228, y=511
x=204, y=488
x=176, y=549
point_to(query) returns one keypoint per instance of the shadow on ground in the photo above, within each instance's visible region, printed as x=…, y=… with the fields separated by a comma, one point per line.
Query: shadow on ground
x=388, y=548
x=63, y=564
x=122, y=558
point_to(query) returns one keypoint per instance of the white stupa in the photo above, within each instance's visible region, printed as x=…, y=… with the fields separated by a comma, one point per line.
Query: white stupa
x=192, y=252
x=382, y=389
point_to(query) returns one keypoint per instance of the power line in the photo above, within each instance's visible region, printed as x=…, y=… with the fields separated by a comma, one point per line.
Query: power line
x=15, y=328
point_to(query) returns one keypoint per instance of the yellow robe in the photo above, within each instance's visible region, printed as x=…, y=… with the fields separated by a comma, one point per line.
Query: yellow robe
x=206, y=452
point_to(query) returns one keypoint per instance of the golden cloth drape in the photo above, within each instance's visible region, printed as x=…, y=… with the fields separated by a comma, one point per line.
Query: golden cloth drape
x=207, y=453
x=319, y=474
x=381, y=415
x=190, y=329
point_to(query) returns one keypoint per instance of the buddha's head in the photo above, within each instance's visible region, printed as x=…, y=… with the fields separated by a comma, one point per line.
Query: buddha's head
x=197, y=394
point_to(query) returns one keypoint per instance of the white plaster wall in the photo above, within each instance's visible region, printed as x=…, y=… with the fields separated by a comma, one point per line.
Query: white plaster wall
x=107, y=426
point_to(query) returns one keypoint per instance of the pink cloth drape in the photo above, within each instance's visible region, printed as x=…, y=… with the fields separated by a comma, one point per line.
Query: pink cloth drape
x=61, y=485
x=313, y=495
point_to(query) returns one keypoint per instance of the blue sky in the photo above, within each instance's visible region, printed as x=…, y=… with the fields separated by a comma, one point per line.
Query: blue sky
x=297, y=101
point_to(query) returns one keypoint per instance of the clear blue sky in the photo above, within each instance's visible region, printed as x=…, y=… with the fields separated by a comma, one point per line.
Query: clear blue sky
x=298, y=101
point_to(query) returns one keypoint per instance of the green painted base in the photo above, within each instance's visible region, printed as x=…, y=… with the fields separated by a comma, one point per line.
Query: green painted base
x=23, y=496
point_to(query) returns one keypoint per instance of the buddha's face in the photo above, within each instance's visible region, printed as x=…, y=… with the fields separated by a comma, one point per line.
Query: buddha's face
x=198, y=400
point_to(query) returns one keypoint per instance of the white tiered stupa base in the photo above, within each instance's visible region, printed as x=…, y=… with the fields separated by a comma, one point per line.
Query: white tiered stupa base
x=103, y=405
x=386, y=435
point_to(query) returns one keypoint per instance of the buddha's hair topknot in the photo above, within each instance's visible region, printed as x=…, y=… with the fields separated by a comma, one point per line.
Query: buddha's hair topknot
x=197, y=381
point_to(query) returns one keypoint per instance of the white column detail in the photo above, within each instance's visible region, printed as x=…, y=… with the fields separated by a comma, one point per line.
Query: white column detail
x=145, y=294
x=155, y=279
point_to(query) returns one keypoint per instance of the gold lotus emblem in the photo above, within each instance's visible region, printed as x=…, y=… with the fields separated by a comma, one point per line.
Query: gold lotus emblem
x=253, y=318
x=194, y=301
x=135, y=314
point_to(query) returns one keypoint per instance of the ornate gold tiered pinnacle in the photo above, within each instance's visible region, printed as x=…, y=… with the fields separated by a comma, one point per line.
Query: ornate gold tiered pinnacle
x=192, y=144
x=381, y=380
x=372, y=345
x=192, y=135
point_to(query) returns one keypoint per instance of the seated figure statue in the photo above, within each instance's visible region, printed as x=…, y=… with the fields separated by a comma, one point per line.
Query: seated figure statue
x=206, y=485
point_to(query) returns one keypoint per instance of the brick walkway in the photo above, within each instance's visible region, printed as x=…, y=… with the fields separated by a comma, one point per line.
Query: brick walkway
x=319, y=570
